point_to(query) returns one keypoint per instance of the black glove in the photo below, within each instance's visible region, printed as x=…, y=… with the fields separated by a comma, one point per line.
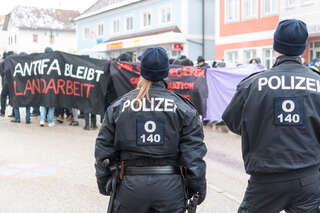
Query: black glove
x=105, y=186
x=196, y=185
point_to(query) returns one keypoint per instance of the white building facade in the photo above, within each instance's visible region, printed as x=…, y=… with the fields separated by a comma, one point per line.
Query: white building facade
x=244, y=30
x=182, y=27
x=307, y=11
x=3, y=36
x=31, y=30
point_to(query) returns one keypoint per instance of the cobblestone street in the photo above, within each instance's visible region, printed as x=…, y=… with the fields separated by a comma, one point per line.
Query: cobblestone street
x=51, y=170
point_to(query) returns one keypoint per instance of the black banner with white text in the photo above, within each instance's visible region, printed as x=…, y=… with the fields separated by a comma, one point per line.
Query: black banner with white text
x=57, y=79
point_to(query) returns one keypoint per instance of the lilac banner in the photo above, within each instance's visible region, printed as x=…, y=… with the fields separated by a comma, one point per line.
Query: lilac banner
x=222, y=84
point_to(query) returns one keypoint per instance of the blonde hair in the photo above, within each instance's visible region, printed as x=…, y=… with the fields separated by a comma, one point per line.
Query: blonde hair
x=144, y=86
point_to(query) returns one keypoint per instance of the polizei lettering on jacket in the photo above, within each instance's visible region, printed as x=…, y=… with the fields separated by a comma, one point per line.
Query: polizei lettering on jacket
x=289, y=83
x=156, y=104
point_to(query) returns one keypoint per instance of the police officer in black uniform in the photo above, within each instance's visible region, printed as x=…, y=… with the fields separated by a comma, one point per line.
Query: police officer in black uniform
x=277, y=114
x=152, y=133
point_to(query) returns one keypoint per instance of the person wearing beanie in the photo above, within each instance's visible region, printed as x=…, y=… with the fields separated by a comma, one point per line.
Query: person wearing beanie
x=277, y=114
x=124, y=57
x=48, y=50
x=149, y=134
x=201, y=63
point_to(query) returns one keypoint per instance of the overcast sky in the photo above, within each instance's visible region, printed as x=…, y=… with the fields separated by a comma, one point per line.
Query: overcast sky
x=80, y=5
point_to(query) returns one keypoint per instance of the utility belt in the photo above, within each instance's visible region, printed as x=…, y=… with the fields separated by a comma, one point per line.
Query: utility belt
x=151, y=170
x=156, y=167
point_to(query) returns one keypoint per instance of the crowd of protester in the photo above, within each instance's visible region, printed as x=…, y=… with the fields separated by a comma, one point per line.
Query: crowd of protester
x=60, y=115
x=182, y=60
x=47, y=114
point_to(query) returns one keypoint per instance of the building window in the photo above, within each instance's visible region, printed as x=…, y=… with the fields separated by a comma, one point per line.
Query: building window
x=250, y=9
x=307, y=2
x=269, y=7
x=314, y=50
x=291, y=3
x=86, y=33
x=15, y=39
x=35, y=38
x=317, y=44
x=129, y=23
x=232, y=10
x=311, y=55
x=268, y=57
x=100, y=29
x=248, y=55
x=165, y=15
x=311, y=44
x=146, y=19
x=116, y=25
x=232, y=57
x=51, y=37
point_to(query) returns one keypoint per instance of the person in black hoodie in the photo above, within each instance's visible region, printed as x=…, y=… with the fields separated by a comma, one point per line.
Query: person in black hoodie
x=5, y=86
x=2, y=110
x=16, y=110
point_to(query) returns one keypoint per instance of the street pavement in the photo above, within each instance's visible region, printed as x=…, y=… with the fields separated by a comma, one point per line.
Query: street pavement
x=49, y=170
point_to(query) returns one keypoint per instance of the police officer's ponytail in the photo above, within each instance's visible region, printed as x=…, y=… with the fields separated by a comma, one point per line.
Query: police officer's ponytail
x=144, y=86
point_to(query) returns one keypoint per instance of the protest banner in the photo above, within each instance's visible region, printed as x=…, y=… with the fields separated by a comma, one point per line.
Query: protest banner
x=189, y=82
x=222, y=84
x=57, y=79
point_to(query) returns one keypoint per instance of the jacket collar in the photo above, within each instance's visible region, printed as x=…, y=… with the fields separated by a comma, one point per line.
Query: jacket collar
x=287, y=59
x=161, y=83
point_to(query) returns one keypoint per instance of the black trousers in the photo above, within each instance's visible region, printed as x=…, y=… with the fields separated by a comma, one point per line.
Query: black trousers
x=290, y=192
x=150, y=194
x=4, y=95
x=93, y=119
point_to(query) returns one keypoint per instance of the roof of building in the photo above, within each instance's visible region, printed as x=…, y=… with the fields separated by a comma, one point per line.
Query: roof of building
x=147, y=33
x=104, y=5
x=100, y=4
x=40, y=18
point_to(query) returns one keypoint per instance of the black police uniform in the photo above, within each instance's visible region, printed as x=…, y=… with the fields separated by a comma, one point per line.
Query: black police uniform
x=277, y=114
x=165, y=132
